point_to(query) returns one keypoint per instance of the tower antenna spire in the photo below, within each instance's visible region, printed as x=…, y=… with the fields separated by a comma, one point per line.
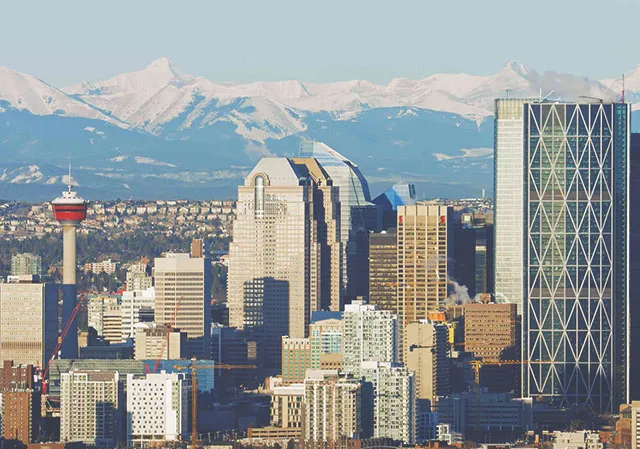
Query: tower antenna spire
x=623, y=87
x=69, y=178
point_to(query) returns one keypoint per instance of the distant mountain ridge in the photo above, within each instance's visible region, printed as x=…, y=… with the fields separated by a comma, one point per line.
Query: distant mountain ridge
x=135, y=131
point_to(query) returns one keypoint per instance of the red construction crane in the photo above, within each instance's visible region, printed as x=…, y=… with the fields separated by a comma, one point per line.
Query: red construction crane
x=65, y=331
x=165, y=342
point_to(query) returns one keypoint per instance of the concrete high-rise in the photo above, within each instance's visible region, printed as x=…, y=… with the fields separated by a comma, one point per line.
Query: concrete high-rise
x=285, y=256
x=296, y=359
x=427, y=354
x=369, y=335
x=425, y=252
x=383, y=271
x=166, y=416
x=183, y=298
x=575, y=250
x=28, y=322
x=394, y=400
x=132, y=303
x=358, y=215
x=332, y=408
x=90, y=407
x=69, y=210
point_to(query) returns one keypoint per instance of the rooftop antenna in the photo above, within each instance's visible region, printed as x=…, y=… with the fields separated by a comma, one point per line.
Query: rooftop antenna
x=623, y=87
x=508, y=90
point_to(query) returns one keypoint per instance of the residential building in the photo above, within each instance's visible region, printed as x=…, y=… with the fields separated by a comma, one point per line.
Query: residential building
x=137, y=278
x=383, y=271
x=132, y=303
x=326, y=343
x=105, y=266
x=287, y=411
x=357, y=216
x=369, y=335
x=332, y=407
x=96, y=308
x=394, y=400
x=581, y=439
x=575, y=345
x=285, y=255
x=28, y=321
x=158, y=407
x=26, y=264
x=155, y=341
x=183, y=298
x=424, y=258
x=20, y=405
x=90, y=407
x=296, y=359
x=112, y=324
x=427, y=352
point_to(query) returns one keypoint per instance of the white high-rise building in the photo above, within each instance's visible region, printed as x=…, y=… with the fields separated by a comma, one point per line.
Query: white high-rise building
x=509, y=201
x=97, y=306
x=183, y=293
x=394, y=403
x=158, y=406
x=132, y=302
x=369, y=335
x=89, y=407
x=137, y=278
x=285, y=255
x=332, y=407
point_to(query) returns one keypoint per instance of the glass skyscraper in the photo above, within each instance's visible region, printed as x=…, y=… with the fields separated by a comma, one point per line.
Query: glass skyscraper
x=575, y=248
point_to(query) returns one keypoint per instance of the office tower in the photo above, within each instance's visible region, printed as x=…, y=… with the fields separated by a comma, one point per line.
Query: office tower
x=28, y=322
x=424, y=253
x=369, y=335
x=383, y=271
x=357, y=216
x=326, y=343
x=69, y=210
x=134, y=301
x=97, y=306
x=473, y=252
x=389, y=200
x=490, y=331
x=137, y=278
x=284, y=258
x=20, y=408
x=634, y=264
x=635, y=424
x=287, y=411
x=296, y=358
x=26, y=264
x=183, y=298
x=166, y=416
x=155, y=341
x=332, y=408
x=112, y=324
x=394, y=402
x=509, y=171
x=90, y=406
x=427, y=355
x=575, y=311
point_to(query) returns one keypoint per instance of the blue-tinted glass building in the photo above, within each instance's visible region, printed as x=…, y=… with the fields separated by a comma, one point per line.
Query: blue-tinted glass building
x=575, y=299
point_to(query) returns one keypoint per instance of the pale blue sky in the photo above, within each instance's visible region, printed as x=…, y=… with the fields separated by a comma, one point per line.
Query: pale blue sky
x=65, y=41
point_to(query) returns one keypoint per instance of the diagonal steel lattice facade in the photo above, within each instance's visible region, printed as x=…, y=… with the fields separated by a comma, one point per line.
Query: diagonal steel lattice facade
x=575, y=311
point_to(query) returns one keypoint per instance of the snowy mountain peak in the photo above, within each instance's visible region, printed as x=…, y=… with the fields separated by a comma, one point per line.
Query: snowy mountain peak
x=517, y=67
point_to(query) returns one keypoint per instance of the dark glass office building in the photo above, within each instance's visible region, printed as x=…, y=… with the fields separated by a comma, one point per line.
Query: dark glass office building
x=576, y=319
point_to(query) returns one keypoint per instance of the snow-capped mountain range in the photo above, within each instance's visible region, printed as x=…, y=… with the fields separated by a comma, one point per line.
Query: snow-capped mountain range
x=196, y=132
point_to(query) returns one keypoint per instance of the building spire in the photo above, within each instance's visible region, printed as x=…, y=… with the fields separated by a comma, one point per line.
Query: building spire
x=69, y=178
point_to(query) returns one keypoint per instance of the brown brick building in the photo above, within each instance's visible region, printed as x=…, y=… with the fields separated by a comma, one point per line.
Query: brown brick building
x=21, y=403
x=490, y=331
